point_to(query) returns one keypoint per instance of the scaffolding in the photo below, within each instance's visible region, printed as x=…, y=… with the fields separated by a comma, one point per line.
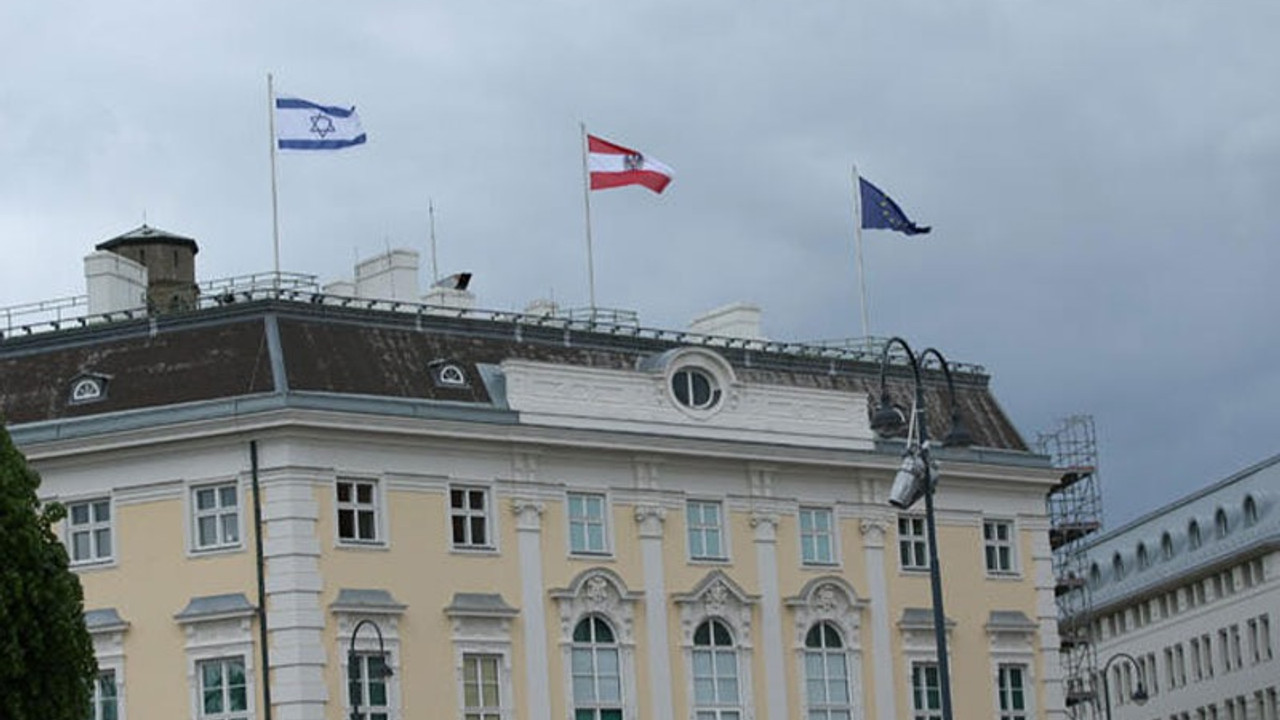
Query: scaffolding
x=1075, y=512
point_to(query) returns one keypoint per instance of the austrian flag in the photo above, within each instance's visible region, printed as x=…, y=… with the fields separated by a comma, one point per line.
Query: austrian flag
x=612, y=166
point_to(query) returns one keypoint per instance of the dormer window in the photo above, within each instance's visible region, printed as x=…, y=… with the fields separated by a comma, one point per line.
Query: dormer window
x=1193, y=535
x=1250, y=510
x=448, y=374
x=1166, y=546
x=1220, y=523
x=1144, y=561
x=694, y=388
x=1117, y=567
x=87, y=389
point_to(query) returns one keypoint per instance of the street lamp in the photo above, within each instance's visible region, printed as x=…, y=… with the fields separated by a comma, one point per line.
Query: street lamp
x=1139, y=695
x=918, y=476
x=382, y=672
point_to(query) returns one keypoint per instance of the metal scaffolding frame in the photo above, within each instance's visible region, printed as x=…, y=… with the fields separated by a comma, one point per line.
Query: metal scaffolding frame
x=1075, y=512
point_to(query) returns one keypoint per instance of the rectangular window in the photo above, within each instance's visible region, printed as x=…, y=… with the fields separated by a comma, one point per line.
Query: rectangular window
x=997, y=538
x=469, y=517
x=1264, y=637
x=705, y=530
x=926, y=696
x=1151, y=675
x=1236, y=655
x=480, y=688
x=1013, y=693
x=1168, y=667
x=1180, y=664
x=912, y=543
x=1206, y=647
x=1197, y=671
x=106, y=700
x=817, y=536
x=358, y=510
x=89, y=531
x=223, y=693
x=367, y=687
x=217, y=516
x=1224, y=650
x=587, y=524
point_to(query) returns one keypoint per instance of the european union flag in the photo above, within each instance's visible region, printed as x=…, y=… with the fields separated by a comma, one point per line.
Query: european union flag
x=880, y=211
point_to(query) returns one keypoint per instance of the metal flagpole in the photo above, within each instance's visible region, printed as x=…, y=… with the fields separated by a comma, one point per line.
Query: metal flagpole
x=857, y=235
x=586, y=199
x=275, y=204
x=431, y=212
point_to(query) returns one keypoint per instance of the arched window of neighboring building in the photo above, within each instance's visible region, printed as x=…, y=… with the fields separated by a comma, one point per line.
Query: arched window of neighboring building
x=716, y=695
x=597, y=677
x=1143, y=560
x=1250, y=510
x=1095, y=575
x=826, y=674
x=1117, y=566
x=1220, y=524
x=1193, y=535
x=1166, y=546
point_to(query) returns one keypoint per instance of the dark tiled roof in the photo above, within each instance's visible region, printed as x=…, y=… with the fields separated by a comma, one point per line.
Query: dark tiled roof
x=225, y=352
x=147, y=235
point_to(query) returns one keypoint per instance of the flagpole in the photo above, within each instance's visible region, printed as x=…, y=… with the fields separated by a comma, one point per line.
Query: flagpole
x=857, y=235
x=431, y=212
x=275, y=204
x=586, y=200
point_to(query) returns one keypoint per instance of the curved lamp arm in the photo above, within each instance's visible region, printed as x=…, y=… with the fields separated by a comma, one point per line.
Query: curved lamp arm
x=887, y=418
x=958, y=435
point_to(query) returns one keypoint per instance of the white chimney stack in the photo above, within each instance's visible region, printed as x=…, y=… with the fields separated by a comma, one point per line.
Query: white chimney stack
x=736, y=320
x=114, y=283
x=392, y=275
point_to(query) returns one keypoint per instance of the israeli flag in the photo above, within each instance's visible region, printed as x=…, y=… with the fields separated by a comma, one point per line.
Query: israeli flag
x=304, y=125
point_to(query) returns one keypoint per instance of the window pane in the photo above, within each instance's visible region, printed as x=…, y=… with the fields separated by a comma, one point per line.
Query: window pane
x=228, y=496
x=344, y=492
x=595, y=507
x=208, y=530
x=577, y=537
x=366, y=525
x=610, y=689
x=816, y=690
x=459, y=530
x=102, y=511
x=835, y=665
x=607, y=662
x=103, y=540
x=236, y=699
x=704, y=691
x=582, y=662
x=838, y=690
x=701, y=663
x=230, y=529
x=212, y=701
x=728, y=690
x=346, y=523
x=583, y=688
x=713, y=544
x=477, y=499
x=79, y=514
x=726, y=664
x=80, y=546
x=457, y=499
x=477, y=531
x=722, y=636
x=204, y=499
x=364, y=493
x=595, y=537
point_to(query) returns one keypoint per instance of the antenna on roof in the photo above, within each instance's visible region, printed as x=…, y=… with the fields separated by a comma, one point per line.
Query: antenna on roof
x=431, y=214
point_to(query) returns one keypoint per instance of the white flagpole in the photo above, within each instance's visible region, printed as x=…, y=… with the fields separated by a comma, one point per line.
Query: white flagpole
x=431, y=212
x=275, y=205
x=857, y=235
x=586, y=199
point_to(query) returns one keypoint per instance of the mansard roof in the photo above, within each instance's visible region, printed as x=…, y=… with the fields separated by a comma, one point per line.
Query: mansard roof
x=286, y=349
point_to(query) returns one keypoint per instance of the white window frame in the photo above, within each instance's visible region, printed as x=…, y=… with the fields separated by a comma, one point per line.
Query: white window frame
x=483, y=711
x=468, y=513
x=600, y=592
x=217, y=637
x=1002, y=673
x=483, y=633
x=97, y=698
x=829, y=599
x=993, y=545
x=92, y=527
x=923, y=713
x=718, y=708
x=377, y=505
x=825, y=653
x=366, y=710
x=916, y=544
x=222, y=662
x=194, y=514
x=831, y=535
x=605, y=526
x=704, y=528
x=367, y=644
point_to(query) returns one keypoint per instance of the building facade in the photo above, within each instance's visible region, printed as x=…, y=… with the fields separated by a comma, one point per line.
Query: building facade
x=522, y=518
x=1190, y=592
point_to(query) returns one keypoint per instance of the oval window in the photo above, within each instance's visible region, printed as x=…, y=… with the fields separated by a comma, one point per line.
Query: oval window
x=695, y=389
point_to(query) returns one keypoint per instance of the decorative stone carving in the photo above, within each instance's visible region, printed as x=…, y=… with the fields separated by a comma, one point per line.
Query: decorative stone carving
x=651, y=519
x=873, y=532
x=528, y=514
x=717, y=595
x=597, y=591
x=766, y=526
x=828, y=598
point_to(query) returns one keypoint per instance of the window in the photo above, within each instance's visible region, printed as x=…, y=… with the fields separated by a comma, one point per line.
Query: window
x=367, y=686
x=217, y=516
x=1197, y=671
x=89, y=531
x=1224, y=650
x=1206, y=647
x=1166, y=546
x=997, y=537
x=1117, y=566
x=223, y=695
x=597, y=680
x=912, y=545
x=926, y=697
x=586, y=524
x=1095, y=575
x=817, y=536
x=87, y=390
x=1144, y=560
x=705, y=530
x=451, y=375
x=480, y=697
x=469, y=517
x=1193, y=535
x=695, y=388
x=1220, y=524
x=1250, y=511
x=1264, y=636
x=826, y=674
x=106, y=700
x=358, y=510
x=715, y=673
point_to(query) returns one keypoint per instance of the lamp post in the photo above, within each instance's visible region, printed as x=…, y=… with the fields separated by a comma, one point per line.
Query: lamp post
x=1139, y=695
x=353, y=661
x=917, y=478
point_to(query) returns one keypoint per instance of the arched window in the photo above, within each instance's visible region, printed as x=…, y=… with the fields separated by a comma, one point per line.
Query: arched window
x=1095, y=575
x=597, y=679
x=1193, y=535
x=1250, y=510
x=1144, y=561
x=715, y=673
x=1117, y=566
x=826, y=674
x=1220, y=524
x=1166, y=546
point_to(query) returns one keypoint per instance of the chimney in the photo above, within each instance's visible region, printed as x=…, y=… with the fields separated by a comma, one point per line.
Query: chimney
x=392, y=275
x=736, y=320
x=114, y=283
x=170, y=262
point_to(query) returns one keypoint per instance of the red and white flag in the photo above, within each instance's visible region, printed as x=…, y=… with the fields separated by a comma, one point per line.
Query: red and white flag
x=612, y=165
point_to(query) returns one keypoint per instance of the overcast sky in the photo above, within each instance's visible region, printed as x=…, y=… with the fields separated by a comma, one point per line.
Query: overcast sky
x=1101, y=176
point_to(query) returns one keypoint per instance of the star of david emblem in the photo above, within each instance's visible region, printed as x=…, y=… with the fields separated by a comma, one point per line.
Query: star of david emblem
x=633, y=161
x=321, y=125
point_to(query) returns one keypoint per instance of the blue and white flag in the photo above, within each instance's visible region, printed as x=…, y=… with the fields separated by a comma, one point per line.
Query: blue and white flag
x=304, y=125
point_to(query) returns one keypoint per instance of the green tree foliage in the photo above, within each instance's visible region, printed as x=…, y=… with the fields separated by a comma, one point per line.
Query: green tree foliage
x=46, y=654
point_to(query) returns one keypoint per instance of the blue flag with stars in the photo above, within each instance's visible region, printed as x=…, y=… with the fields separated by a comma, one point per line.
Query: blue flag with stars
x=879, y=211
